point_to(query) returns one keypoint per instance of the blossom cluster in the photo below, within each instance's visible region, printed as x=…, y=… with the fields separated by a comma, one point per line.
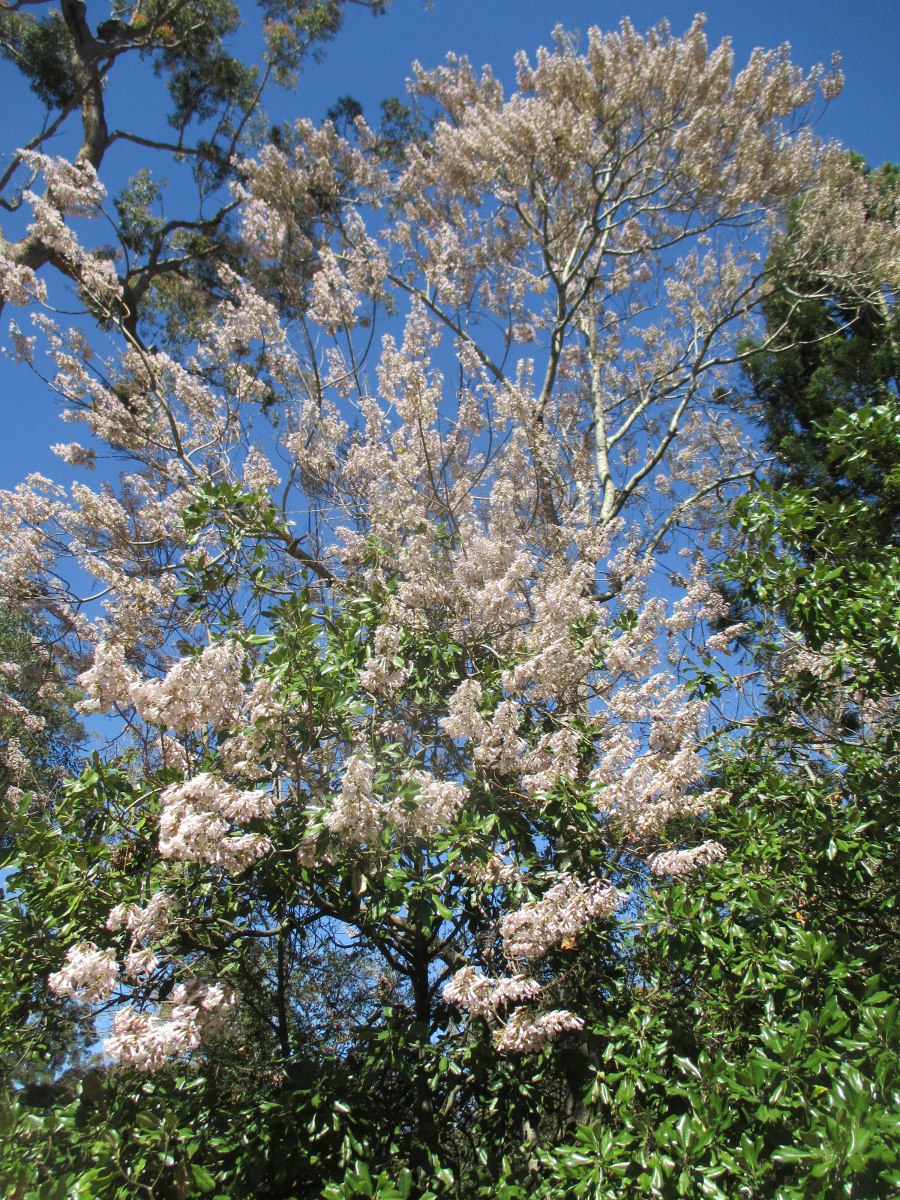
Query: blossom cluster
x=90, y=974
x=108, y=681
x=194, y=1013
x=382, y=675
x=496, y=741
x=526, y=1031
x=422, y=806
x=206, y=690
x=557, y=917
x=679, y=863
x=11, y=707
x=196, y=823
x=482, y=996
x=147, y=924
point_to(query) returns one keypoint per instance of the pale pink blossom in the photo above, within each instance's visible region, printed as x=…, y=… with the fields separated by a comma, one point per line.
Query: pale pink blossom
x=557, y=917
x=482, y=996
x=259, y=474
x=139, y=964
x=679, y=863
x=194, y=1014
x=75, y=455
x=90, y=974
x=197, y=818
x=382, y=675
x=147, y=924
x=28, y=721
x=527, y=1032
x=15, y=761
x=74, y=186
x=109, y=681
x=360, y=814
x=205, y=690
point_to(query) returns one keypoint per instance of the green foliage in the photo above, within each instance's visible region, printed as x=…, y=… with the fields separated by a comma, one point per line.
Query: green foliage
x=52, y=750
x=42, y=51
x=134, y=205
x=759, y=1044
x=34, y=1036
x=66, y=863
x=754, y=1049
x=358, y=1057
x=828, y=566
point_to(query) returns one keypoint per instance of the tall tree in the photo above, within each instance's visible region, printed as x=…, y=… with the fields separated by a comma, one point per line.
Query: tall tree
x=397, y=675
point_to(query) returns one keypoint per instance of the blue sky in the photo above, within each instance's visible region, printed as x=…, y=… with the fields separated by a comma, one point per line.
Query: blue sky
x=371, y=60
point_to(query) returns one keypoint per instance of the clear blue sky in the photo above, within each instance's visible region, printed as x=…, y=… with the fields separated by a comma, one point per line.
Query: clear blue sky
x=371, y=58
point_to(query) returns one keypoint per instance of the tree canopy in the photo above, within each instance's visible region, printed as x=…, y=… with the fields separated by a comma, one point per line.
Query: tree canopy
x=487, y=800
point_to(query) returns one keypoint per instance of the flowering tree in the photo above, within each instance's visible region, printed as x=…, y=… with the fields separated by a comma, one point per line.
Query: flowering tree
x=396, y=672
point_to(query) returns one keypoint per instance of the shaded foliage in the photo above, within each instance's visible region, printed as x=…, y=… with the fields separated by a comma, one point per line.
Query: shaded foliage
x=826, y=356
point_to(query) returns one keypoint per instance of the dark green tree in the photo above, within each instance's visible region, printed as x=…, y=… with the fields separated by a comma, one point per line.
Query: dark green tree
x=826, y=354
